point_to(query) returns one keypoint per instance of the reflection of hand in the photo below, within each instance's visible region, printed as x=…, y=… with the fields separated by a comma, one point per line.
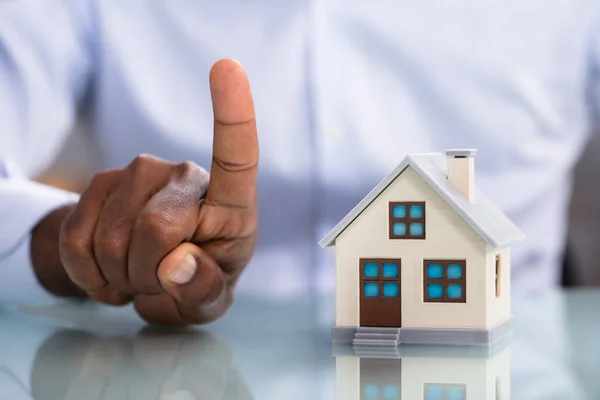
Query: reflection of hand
x=169, y=236
x=12, y=387
x=182, y=365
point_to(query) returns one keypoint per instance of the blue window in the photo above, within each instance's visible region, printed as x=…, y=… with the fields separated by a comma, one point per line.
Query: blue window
x=390, y=289
x=399, y=229
x=435, y=271
x=387, y=392
x=455, y=393
x=407, y=220
x=455, y=271
x=416, y=229
x=416, y=211
x=371, y=289
x=454, y=291
x=371, y=392
x=443, y=391
x=444, y=281
x=399, y=211
x=390, y=270
x=435, y=291
x=434, y=392
x=371, y=270
x=391, y=393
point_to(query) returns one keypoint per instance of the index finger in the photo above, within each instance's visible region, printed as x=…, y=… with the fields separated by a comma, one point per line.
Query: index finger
x=235, y=144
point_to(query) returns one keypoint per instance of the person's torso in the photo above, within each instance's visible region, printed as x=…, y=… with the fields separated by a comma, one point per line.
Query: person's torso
x=343, y=90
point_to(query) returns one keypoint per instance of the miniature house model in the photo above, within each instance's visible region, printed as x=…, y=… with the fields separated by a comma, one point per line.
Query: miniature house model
x=424, y=258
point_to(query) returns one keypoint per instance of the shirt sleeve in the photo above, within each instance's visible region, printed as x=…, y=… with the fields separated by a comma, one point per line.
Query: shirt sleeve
x=22, y=204
x=593, y=66
x=46, y=65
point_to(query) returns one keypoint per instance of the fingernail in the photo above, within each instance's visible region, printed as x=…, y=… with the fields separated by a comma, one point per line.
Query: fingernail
x=184, y=271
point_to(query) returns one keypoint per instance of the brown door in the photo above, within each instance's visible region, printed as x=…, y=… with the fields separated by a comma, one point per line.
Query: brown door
x=380, y=300
x=381, y=379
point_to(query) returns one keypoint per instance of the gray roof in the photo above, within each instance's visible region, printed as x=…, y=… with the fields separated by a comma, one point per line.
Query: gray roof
x=482, y=215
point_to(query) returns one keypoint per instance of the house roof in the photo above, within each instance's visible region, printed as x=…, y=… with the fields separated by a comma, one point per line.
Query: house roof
x=482, y=215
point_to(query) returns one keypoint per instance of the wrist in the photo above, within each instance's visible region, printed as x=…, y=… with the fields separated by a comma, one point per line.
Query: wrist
x=45, y=257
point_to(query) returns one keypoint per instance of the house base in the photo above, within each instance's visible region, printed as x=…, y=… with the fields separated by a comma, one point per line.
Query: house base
x=341, y=349
x=464, y=336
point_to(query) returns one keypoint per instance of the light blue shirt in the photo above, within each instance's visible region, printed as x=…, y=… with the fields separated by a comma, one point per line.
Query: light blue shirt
x=343, y=90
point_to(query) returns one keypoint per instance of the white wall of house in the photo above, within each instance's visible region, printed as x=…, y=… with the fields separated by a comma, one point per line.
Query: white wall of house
x=347, y=378
x=484, y=378
x=478, y=376
x=498, y=386
x=448, y=236
x=498, y=306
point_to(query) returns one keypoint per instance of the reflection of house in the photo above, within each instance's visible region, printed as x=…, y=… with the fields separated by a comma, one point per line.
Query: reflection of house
x=429, y=373
x=424, y=258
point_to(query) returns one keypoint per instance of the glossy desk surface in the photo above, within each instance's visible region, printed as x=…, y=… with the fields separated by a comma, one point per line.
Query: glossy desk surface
x=281, y=350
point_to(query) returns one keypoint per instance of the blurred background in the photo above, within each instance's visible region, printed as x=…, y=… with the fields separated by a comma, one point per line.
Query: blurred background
x=77, y=164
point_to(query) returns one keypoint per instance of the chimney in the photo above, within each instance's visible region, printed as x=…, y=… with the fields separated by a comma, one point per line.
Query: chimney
x=461, y=171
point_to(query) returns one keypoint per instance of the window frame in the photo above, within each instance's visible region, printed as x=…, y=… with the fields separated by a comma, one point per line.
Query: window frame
x=445, y=281
x=380, y=280
x=407, y=219
x=444, y=387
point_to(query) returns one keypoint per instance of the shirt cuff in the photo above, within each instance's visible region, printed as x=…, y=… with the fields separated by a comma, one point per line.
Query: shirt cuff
x=22, y=204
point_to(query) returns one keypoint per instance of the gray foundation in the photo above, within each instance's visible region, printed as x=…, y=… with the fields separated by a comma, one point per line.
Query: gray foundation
x=342, y=349
x=481, y=337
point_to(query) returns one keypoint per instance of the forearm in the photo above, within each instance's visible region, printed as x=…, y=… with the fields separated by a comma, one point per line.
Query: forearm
x=45, y=256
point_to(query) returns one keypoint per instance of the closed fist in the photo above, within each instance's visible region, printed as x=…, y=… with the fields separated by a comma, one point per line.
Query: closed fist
x=171, y=236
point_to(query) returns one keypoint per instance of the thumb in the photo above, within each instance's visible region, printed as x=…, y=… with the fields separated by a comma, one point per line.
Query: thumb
x=191, y=276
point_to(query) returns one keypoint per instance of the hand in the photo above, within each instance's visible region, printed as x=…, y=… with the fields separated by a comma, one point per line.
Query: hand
x=169, y=236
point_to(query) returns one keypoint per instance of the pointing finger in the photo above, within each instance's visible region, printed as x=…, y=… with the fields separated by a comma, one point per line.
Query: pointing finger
x=235, y=144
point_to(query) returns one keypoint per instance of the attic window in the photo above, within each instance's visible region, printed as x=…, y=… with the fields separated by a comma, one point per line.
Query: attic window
x=407, y=220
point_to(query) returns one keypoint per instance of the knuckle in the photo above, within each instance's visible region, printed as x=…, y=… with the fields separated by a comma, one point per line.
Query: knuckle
x=186, y=168
x=110, y=247
x=72, y=244
x=156, y=225
x=143, y=163
x=190, y=171
x=100, y=179
x=111, y=239
x=118, y=224
x=142, y=160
